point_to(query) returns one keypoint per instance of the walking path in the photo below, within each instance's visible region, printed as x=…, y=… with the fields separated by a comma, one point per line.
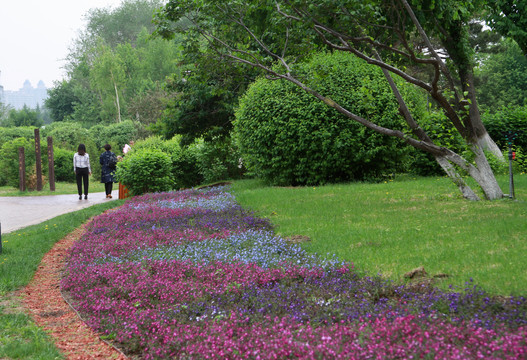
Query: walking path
x=19, y=212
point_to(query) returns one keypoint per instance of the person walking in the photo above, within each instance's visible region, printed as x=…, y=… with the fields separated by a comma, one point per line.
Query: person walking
x=108, y=162
x=82, y=169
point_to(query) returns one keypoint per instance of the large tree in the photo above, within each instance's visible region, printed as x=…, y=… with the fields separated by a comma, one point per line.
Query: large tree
x=509, y=18
x=399, y=36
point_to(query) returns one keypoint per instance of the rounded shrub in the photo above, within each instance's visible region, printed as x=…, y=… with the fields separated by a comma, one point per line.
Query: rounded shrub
x=288, y=137
x=63, y=160
x=185, y=170
x=146, y=170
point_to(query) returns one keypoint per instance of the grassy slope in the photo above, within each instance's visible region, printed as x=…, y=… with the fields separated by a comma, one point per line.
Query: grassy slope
x=394, y=227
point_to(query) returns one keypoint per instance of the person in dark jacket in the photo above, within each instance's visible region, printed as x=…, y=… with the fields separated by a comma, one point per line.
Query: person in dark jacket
x=107, y=161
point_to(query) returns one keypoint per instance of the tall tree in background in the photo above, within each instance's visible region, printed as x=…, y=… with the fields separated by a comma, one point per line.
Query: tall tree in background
x=509, y=18
x=113, y=64
x=502, y=78
x=390, y=34
x=23, y=117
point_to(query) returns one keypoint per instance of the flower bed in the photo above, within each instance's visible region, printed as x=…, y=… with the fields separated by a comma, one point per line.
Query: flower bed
x=191, y=274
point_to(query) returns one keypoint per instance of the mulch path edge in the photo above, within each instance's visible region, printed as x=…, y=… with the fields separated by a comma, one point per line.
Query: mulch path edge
x=44, y=302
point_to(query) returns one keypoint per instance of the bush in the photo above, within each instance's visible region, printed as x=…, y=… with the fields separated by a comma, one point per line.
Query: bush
x=67, y=135
x=217, y=160
x=9, y=161
x=507, y=119
x=145, y=170
x=116, y=135
x=185, y=171
x=288, y=137
x=7, y=134
x=157, y=142
x=64, y=164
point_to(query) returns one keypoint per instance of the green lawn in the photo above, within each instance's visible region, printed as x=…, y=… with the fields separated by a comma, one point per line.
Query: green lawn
x=61, y=188
x=396, y=226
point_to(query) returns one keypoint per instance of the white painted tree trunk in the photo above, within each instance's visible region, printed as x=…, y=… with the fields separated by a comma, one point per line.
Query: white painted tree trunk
x=486, y=142
x=450, y=170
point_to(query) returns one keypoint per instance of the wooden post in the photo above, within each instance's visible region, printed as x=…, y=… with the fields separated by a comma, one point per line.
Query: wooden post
x=21, y=169
x=38, y=160
x=51, y=164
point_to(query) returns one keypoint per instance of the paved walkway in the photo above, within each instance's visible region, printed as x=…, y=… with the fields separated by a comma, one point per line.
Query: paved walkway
x=19, y=212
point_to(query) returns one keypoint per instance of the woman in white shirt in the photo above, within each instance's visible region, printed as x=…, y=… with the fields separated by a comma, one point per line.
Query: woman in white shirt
x=82, y=169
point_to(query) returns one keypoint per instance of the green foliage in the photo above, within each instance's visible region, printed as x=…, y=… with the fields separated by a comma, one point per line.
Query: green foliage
x=158, y=143
x=288, y=137
x=217, y=160
x=509, y=18
x=441, y=131
x=502, y=79
x=520, y=163
x=113, y=65
x=185, y=170
x=67, y=135
x=199, y=110
x=61, y=100
x=117, y=135
x=7, y=134
x=184, y=162
x=505, y=120
x=499, y=167
x=63, y=160
x=9, y=160
x=145, y=171
x=23, y=117
x=122, y=24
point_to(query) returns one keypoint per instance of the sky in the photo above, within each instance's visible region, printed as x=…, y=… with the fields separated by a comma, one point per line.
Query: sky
x=35, y=36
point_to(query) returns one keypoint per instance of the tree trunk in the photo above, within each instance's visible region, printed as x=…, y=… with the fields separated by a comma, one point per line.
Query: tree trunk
x=486, y=142
x=485, y=176
x=467, y=192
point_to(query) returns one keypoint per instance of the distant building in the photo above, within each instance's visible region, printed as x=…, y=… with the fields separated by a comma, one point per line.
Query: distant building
x=27, y=95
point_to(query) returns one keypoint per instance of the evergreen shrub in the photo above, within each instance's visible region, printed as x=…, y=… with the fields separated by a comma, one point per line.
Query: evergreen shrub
x=9, y=162
x=145, y=170
x=288, y=137
x=10, y=133
x=217, y=160
x=505, y=120
x=63, y=160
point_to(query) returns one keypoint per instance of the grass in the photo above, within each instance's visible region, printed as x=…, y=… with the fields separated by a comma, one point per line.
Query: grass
x=61, y=188
x=394, y=227
x=22, y=251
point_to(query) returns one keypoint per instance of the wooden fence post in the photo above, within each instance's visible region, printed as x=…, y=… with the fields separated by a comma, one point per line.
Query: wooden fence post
x=21, y=169
x=51, y=164
x=38, y=160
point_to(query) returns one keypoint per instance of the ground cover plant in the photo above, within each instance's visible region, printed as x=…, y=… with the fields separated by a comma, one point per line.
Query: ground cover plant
x=192, y=274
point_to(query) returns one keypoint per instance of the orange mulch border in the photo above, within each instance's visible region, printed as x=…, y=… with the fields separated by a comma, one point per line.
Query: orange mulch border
x=43, y=300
